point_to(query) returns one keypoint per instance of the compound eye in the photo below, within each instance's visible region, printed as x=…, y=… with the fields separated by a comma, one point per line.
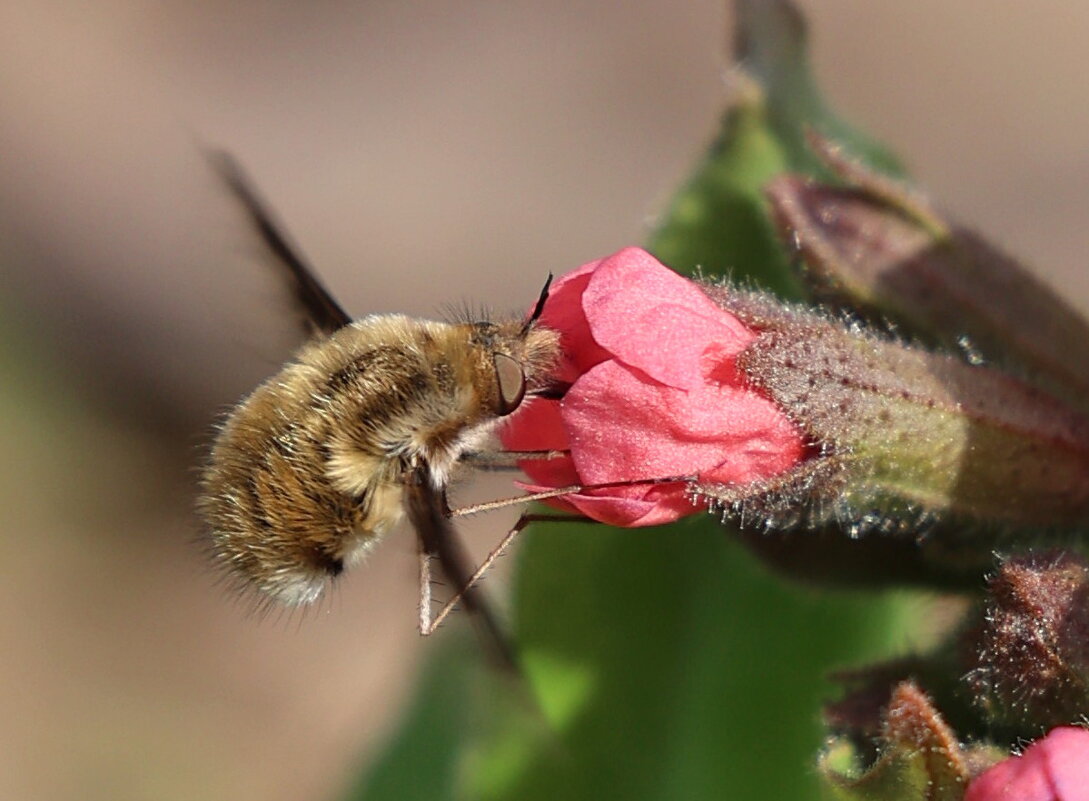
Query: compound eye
x=512, y=383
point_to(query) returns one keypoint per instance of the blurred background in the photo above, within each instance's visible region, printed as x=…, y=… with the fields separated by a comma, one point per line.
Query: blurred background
x=423, y=154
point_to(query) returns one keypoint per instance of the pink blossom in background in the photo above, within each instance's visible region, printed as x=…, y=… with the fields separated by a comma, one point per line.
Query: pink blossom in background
x=1055, y=768
x=654, y=394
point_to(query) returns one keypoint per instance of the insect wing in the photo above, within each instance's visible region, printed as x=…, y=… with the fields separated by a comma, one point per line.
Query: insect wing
x=322, y=313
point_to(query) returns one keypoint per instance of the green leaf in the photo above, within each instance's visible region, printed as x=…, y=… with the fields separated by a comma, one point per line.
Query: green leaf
x=671, y=665
x=424, y=757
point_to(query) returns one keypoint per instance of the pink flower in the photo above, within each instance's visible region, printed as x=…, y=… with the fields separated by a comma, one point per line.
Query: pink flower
x=1055, y=768
x=654, y=394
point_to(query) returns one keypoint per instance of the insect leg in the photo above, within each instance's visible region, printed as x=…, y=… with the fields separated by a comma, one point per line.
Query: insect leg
x=559, y=492
x=496, y=552
x=426, y=626
x=427, y=511
x=501, y=459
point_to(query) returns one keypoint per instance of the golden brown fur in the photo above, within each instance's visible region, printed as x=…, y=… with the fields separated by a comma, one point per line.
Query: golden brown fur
x=308, y=471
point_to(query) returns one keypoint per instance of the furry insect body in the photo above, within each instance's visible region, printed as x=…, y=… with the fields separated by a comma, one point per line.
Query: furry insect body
x=310, y=470
x=366, y=423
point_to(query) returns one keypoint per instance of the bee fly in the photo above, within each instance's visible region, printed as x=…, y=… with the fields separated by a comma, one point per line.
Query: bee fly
x=367, y=421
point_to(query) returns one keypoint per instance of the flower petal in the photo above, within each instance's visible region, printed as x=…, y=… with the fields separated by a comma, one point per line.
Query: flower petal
x=1055, y=768
x=649, y=317
x=1068, y=762
x=616, y=509
x=628, y=507
x=623, y=427
x=537, y=426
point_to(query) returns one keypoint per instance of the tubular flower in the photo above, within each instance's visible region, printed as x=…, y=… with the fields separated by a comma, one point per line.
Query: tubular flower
x=1055, y=768
x=654, y=394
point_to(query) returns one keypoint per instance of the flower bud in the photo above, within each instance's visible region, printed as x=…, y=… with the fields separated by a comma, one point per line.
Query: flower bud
x=653, y=395
x=682, y=390
x=877, y=247
x=919, y=759
x=1029, y=657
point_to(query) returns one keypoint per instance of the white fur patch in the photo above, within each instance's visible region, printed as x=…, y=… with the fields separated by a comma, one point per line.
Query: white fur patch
x=297, y=588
